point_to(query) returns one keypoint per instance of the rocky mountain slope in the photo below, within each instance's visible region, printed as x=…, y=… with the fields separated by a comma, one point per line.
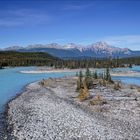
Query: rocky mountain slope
x=96, y=50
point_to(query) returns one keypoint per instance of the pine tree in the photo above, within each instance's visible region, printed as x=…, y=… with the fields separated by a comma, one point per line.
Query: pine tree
x=80, y=81
x=95, y=75
x=108, y=76
x=88, y=79
x=88, y=73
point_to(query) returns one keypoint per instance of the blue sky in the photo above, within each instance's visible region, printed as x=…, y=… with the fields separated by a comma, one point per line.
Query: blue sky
x=24, y=22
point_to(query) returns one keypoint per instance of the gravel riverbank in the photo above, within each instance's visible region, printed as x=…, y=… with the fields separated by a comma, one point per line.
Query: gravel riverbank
x=53, y=112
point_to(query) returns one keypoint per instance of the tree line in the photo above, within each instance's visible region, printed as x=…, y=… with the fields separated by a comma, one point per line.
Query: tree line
x=99, y=63
x=11, y=58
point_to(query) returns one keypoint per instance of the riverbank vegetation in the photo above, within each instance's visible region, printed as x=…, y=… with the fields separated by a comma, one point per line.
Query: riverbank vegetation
x=90, y=80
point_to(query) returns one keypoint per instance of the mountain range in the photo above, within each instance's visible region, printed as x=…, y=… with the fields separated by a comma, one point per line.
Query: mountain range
x=95, y=50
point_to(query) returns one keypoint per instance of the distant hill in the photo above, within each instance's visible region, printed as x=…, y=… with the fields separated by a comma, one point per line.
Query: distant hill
x=95, y=50
x=12, y=58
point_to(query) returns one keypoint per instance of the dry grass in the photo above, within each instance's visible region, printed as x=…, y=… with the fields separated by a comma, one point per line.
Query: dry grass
x=47, y=82
x=83, y=93
x=104, y=83
x=101, y=109
x=138, y=89
x=98, y=100
x=117, y=86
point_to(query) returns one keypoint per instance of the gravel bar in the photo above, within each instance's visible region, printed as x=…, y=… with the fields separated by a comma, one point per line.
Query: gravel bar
x=54, y=113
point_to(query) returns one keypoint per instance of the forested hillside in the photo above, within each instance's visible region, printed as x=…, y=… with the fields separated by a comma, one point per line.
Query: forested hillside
x=10, y=58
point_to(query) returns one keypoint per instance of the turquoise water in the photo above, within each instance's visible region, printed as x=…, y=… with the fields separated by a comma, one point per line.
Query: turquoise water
x=12, y=82
x=134, y=68
x=129, y=80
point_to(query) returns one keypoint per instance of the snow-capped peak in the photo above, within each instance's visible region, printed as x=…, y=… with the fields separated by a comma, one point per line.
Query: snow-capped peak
x=98, y=49
x=14, y=48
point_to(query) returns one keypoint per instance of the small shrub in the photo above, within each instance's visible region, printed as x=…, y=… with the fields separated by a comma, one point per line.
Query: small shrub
x=138, y=89
x=131, y=87
x=98, y=100
x=117, y=86
x=83, y=93
x=104, y=83
x=89, y=82
x=47, y=82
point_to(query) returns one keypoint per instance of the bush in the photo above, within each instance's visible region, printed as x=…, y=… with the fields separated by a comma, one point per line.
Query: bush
x=138, y=89
x=47, y=82
x=117, y=86
x=83, y=93
x=131, y=87
x=104, y=83
x=89, y=82
x=98, y=100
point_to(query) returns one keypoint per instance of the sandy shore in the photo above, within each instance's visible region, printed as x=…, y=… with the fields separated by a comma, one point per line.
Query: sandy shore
x=44, y=70
x=52, y=112
x=48, y=71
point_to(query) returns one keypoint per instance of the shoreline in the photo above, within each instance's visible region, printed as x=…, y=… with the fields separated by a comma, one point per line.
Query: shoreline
x=39, y=71
x=8, y=127
x=32, y=88
x=49, y=71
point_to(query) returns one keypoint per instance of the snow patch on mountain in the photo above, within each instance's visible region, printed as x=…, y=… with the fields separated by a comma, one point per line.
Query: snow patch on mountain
x=98, y=49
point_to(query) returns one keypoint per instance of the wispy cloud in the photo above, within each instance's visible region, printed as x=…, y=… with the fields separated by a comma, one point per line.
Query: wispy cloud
x=126, y=41
x=76, y=7
x=21, y=17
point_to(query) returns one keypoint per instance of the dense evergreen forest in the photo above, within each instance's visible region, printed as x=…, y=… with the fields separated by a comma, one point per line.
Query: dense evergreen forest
x=102, y=63
x=10, y=58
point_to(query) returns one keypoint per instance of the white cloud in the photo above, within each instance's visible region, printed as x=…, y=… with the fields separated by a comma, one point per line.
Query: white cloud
x=126, y=41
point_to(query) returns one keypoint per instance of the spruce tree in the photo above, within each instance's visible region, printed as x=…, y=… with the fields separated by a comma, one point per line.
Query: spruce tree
x=95, y=75
x=88, y=73
x=108, y=76
x=80, y=81
x=88, y=79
